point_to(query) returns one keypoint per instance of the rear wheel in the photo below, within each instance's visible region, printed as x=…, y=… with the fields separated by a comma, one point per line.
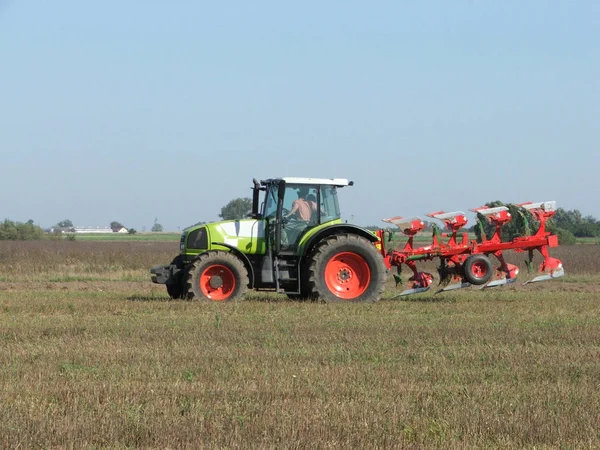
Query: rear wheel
x=478, y=269
x=346, y=267
x=217, y=276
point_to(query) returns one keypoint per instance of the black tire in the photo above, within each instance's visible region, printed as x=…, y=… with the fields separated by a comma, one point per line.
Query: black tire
x=178, y=289
x=175, y=291
x=346, y=267
x=223, y=276
x=478, y=269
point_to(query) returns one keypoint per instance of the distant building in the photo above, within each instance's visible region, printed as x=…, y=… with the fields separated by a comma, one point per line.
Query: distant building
x=87, y=230
x=105, y=230
x=57, y=230
x=92, y=230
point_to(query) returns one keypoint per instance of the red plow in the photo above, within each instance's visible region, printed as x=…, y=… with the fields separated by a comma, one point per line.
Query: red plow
x=465, y=262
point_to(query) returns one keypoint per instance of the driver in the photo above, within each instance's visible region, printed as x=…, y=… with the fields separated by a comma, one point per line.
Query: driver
x=301, y=215
x=302, y=209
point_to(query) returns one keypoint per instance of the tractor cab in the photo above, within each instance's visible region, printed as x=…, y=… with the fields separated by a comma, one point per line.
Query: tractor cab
x=293, y=207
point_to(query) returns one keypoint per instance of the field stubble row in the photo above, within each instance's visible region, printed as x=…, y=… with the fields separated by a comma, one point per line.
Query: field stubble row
x=131, y=260
x=107, y=361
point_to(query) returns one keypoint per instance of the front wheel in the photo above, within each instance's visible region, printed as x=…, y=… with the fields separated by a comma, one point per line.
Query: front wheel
x=347, y=267
x=217, y=276
x=177, y=289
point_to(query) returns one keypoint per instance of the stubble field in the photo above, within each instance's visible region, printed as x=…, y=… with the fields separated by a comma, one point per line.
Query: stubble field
x=93, y=355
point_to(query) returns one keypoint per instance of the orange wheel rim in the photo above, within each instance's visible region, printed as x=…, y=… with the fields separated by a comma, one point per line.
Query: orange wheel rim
x=479, y=269
x=217, y=282
x=347, y=275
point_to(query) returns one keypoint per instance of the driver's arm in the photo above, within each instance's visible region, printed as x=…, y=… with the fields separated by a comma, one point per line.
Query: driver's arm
x=294, y=209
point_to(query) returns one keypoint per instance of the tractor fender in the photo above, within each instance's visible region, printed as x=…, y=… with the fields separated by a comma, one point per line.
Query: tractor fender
x=337, y=229
x=243, y=257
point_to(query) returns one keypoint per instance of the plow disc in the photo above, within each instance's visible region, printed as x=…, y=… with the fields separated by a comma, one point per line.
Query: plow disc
x=465, y=263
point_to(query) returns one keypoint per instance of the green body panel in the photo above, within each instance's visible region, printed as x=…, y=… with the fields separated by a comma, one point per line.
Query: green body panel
x=247, y=235
x=308, y=234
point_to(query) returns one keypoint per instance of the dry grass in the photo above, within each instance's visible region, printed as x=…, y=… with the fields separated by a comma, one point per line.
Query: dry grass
x=82, y=261
x=108, y=362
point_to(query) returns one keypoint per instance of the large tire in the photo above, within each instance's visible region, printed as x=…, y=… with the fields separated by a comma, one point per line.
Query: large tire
x=178, y=289
x=217, y=276
x=478, y=269
x=175, y=291
x=346, y=267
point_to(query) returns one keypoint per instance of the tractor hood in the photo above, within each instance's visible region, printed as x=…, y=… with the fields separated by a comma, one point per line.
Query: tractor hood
x=247, y=235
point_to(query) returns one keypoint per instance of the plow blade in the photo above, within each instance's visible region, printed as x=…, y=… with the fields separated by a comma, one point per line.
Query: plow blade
x=454, y=286
x=500, y=282
x=557, y=273
x=411, y=291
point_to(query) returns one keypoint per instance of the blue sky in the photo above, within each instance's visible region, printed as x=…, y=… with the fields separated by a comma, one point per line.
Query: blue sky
x=136, y=110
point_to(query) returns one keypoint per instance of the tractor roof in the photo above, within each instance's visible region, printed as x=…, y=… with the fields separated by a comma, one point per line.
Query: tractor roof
x=340, y=182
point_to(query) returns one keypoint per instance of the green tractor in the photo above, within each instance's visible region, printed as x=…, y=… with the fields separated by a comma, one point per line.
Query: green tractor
x=293, y=242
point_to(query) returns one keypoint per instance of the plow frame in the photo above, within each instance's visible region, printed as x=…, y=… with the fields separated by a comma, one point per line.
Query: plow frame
x=465, y=262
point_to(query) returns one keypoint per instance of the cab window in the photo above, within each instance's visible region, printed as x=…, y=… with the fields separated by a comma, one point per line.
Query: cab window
x=330, y=209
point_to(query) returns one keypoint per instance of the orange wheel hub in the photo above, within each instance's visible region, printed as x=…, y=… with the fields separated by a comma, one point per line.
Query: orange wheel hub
x=347, y=275
x=479, y=269
x=217, y=282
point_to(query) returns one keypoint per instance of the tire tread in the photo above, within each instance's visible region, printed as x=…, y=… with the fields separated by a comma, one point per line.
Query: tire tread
x=357, y=243
x=220, y=257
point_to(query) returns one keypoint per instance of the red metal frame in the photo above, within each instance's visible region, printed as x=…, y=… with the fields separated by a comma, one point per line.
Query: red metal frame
x=454, y=252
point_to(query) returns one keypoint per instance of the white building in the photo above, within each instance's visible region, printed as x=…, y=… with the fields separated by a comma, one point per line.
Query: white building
x=104, y=230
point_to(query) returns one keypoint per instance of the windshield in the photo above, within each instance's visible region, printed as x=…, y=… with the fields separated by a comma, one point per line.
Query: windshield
x=271, y=199
x=324, y=199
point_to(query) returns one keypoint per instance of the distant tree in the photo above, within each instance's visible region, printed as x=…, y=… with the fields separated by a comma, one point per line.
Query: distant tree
x=116, y=226
x=236, y=209
x=587, y=229
x=132, y=231
x=565, y=237
x=574, y=222
x=567, y=220
x=64, y=224
x=157, y=227
x=8, y=231
x=17, y=231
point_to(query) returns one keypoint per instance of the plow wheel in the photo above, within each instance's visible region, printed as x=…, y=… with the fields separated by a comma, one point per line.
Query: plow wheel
x=217, y=276
x=478, y=269
x=346, y=267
